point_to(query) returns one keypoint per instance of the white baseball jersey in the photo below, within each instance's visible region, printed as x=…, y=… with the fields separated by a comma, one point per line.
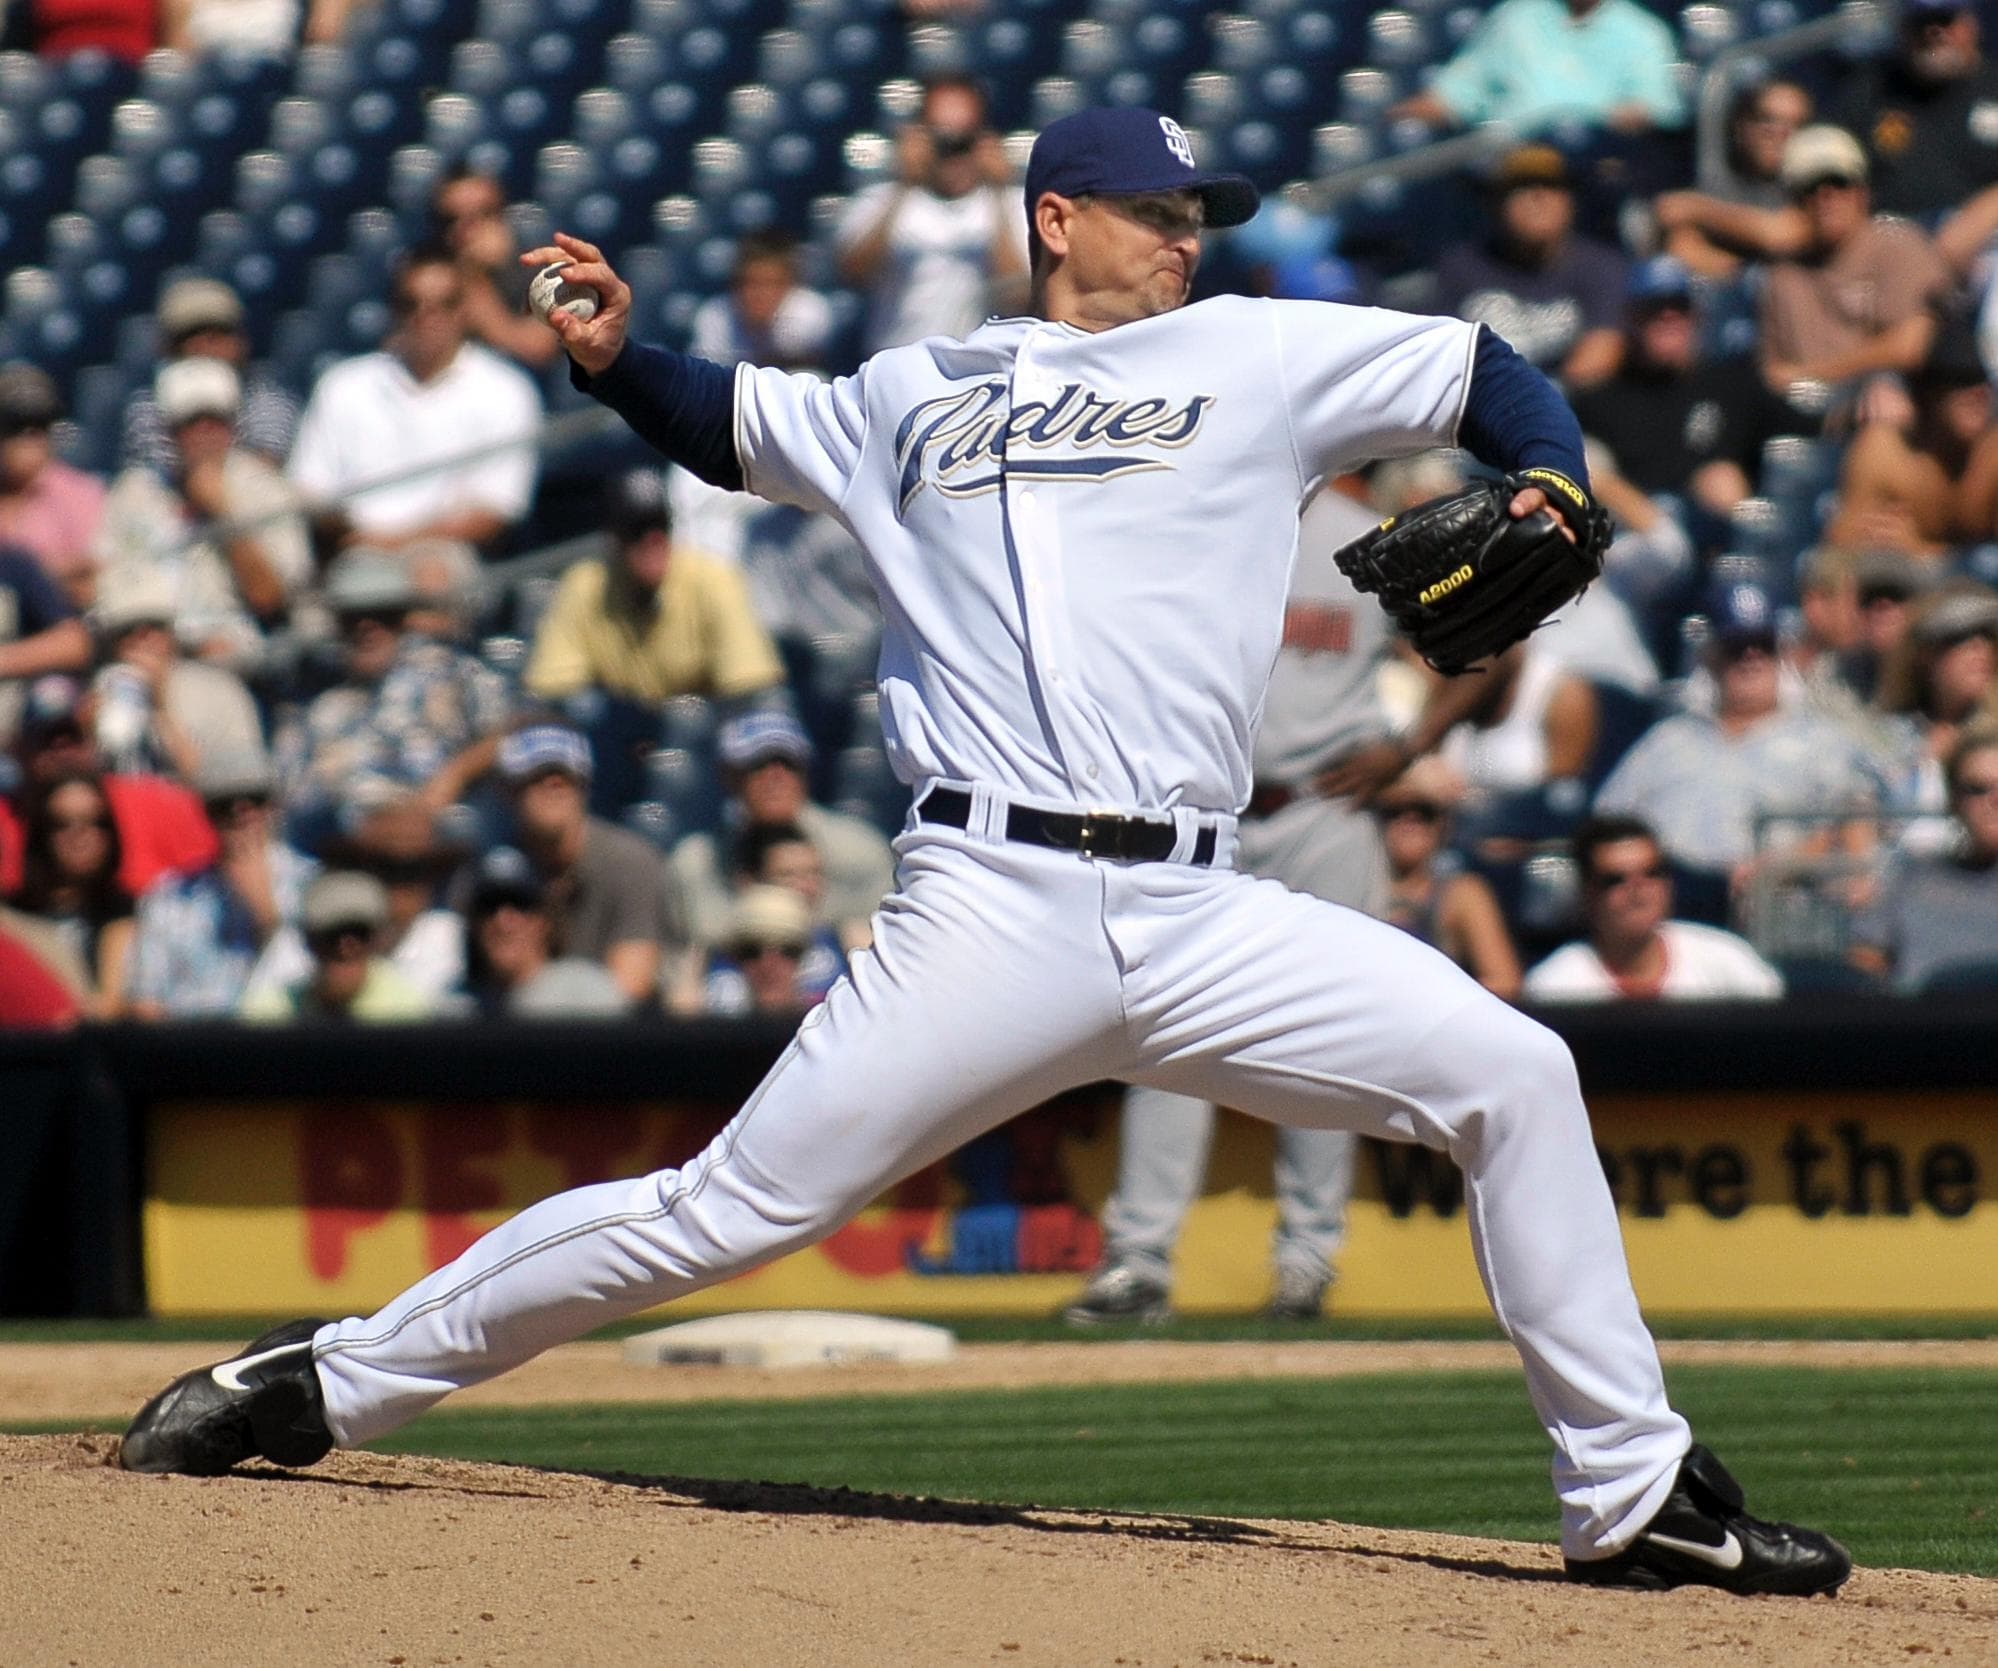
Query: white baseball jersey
x=1083, y=545
x=1083, y=542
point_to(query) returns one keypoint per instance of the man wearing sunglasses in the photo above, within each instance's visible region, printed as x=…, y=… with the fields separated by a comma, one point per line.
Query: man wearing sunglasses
x=342, y=921
x=1855, y=308
x=1633, y=951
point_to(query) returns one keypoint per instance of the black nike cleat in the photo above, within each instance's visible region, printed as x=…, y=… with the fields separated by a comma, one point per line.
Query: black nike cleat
x=1702, y=1537
x=262, y=1403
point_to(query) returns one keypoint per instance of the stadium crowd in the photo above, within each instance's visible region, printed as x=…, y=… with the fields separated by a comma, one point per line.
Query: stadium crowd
x=294, y=730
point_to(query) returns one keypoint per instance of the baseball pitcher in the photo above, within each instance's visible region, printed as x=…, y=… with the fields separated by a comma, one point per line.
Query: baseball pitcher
x=1081, y=525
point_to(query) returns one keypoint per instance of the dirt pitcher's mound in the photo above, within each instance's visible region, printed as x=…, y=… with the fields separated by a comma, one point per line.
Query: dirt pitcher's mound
x=381, y=1560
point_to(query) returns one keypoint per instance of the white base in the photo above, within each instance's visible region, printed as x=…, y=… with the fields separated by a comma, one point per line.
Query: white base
x=789, y=1338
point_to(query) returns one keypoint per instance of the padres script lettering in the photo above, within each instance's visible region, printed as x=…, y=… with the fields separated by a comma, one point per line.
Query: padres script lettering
x=962, y=441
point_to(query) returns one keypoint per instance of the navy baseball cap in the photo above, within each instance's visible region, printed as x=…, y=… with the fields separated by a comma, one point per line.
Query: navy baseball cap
x=1120, y=152
x=1742, y=612
x=1662, y=278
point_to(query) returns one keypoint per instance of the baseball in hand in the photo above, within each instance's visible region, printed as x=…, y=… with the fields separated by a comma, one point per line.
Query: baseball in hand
x=550, y=290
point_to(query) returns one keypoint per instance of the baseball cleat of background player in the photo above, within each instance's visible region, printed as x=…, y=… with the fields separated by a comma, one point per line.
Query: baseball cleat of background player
x=1116, y=1294
x=261, y=1403
x=1702, y=1537
x=1071, y=683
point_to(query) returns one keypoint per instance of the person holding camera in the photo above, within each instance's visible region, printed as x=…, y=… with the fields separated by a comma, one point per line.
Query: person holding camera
x=942, y=245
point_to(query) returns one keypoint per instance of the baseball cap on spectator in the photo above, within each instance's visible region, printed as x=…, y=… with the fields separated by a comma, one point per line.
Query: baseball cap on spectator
x=144, y=597
x=636, y=503
x=1531, y=165
x=1124, y=151
x=1742, y=613
x=1658, y=282
x=503, y=876
x=1888, y=575
x=189, y=388
x=52, y=704
x=529, y=751
x=196, y=304
x=1816, y=154
x=1950, y=619
x=339, y=898
x=369, y=582
x=757, y=737
x=1921, y=11
x=28, y=399
x=765, y=915
x=235, y=775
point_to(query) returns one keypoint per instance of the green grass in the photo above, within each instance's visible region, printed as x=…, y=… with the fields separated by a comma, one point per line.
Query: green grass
x=982, y=1329
x=1898, y=1463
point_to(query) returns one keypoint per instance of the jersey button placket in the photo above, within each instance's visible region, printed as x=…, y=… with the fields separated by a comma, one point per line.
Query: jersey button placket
x=1037, y=550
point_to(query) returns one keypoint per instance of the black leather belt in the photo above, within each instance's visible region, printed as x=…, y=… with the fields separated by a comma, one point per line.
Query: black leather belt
x=1127, y=839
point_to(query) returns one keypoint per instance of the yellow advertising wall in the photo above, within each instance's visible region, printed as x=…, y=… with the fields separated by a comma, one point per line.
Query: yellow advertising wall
x=1752, y=1203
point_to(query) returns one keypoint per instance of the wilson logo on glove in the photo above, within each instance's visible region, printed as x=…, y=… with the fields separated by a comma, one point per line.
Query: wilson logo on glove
x=1524, y=568
x=1444, y=586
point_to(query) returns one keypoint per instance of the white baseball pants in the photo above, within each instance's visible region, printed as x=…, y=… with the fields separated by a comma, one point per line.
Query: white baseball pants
x=1002, y=974
x=1331, y=849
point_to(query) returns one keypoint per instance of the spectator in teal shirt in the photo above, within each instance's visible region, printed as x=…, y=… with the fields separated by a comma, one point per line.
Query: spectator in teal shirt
x=1532, y=63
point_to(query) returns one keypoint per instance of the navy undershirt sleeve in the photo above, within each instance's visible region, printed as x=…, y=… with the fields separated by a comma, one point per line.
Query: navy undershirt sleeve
x=678, y=405
x=1514, y=418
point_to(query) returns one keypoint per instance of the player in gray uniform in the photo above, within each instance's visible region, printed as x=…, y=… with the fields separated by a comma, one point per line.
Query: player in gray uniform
x=1323, y=707
x=1073, y=662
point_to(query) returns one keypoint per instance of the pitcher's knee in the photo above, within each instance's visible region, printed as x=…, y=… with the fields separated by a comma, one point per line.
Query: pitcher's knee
x=1516, y=1067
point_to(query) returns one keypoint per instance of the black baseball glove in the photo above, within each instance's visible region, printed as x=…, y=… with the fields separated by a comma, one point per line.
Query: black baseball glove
x=1464, y=580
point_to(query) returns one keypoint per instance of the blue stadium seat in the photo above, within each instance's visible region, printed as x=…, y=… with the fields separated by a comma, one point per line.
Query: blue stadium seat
x=683, y=785
x=1398, y=39
x=187, y=182
x=634, y=170
x=1210, y=99
x=1090, y=50
x=365, y=326
x=634, y=64
x=71, y=242
x=380, y=121
x=141, y=129
x=1130, y=86
x=96, y=405
x=413, y=173
x=527, y=117
x=326, y=70
x=143, y=235
x=602, y=116
x=335, y=182
x=396, y=63
x=221, y=237
x=453, y=123
x=218, y=121
x=265, y=181
x=480, y=70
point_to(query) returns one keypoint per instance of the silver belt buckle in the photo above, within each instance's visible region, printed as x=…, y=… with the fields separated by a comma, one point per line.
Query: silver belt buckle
x=1088, y=832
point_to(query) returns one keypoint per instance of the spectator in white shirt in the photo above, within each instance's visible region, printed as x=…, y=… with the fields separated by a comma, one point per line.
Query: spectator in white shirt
x=222, y=525
x=425, y=448
x=767, y=317
x=943, y=244
x=1633, y=950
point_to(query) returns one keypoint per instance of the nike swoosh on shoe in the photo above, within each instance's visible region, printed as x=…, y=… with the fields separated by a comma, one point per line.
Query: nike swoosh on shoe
x=228, y=1374
x=1726, y=1556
